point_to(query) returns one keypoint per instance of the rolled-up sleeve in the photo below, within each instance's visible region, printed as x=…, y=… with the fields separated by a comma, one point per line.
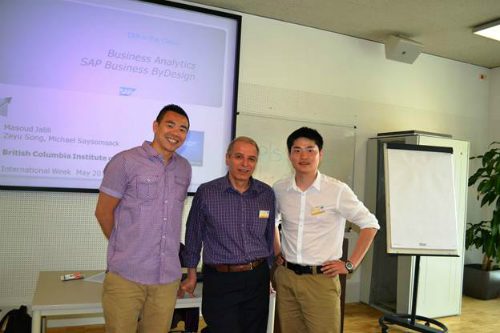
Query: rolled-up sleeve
x=355, y=211
x=114, y=181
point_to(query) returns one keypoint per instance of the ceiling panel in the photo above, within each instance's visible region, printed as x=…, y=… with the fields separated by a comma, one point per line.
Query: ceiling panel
x=444, y=27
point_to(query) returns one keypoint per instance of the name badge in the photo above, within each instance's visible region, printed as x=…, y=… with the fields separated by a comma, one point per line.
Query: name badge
x=318, y=210
x=263, y=214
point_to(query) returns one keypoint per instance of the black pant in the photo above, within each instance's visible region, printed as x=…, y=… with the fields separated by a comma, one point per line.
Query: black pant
x=236, y=302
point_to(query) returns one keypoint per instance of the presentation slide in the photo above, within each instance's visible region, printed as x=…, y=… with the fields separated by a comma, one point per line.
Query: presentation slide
x=83, y=80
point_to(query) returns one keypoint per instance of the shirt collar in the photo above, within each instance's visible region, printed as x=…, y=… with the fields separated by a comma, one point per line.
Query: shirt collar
x=152, y=153
x=316, y=184
x=254, y=186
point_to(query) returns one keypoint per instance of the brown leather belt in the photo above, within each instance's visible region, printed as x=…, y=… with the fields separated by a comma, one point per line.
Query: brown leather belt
x=227, y=268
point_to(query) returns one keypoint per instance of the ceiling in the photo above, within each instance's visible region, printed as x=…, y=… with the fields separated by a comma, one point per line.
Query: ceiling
x=442, y=26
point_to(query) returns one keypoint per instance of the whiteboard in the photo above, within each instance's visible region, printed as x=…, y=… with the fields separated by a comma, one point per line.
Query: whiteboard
x=420, y=200
x=271, y=132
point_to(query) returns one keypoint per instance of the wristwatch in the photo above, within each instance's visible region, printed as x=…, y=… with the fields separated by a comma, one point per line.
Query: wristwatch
x=349, y=266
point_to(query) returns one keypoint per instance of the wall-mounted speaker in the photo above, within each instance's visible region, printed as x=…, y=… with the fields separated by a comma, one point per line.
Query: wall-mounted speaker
x=402, y=49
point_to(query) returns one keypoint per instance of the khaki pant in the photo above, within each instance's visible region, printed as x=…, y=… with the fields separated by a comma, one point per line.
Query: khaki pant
x=307, y=302
x=125, y=302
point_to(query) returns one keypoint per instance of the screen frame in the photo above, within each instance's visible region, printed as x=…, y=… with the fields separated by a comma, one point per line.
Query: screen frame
x=238, y=21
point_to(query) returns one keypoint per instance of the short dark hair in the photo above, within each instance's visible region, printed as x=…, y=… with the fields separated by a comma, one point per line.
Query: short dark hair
x=304, y=132
x=172, y=108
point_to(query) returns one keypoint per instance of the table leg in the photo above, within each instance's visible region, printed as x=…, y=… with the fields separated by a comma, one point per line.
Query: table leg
x=36, y=322
x=270, y=318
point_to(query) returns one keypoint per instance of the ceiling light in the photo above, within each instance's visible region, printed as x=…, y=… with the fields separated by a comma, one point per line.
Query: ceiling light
x=489, y=30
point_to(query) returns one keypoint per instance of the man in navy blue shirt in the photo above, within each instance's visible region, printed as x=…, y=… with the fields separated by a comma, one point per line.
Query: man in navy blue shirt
x=232, y=217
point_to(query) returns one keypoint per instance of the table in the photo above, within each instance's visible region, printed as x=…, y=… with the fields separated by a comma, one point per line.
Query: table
x=54, y=297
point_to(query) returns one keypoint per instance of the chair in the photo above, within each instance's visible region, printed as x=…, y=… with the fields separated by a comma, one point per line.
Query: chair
x=343, y=281
x=190, y=316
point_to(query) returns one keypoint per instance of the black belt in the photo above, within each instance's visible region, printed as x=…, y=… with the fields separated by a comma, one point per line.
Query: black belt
x=300, y=269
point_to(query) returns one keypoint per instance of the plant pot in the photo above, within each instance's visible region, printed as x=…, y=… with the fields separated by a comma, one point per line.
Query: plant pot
x=481, y=284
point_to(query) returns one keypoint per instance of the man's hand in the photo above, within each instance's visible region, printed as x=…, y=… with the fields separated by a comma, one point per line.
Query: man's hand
x=188, y=284
x=279, y=260
x=333, y=268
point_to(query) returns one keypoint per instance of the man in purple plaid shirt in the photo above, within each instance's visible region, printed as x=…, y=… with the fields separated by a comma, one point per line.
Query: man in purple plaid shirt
x=140, y=209
x=233, y=218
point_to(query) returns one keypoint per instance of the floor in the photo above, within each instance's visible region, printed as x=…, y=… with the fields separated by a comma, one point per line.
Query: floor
x=477, y=316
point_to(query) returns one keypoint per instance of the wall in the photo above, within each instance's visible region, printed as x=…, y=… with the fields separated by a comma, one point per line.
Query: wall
x=474, y=255
x=494, y=105
x=353, y=83
x=362, y=87
x=379, y=95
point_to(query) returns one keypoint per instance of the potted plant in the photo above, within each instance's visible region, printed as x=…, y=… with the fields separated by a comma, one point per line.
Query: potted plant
x=483, y=281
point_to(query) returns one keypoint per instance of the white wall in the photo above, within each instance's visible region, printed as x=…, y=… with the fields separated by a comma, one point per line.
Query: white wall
x=493, y=134
x=360, y=87
x=377, y=95
x=494, y=105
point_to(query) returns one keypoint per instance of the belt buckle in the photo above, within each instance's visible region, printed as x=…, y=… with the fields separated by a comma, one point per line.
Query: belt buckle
x=250, y=264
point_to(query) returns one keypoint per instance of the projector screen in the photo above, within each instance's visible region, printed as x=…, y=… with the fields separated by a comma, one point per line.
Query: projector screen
x=81, y=80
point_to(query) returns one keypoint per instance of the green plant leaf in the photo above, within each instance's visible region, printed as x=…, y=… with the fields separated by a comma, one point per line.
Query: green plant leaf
x=473, y=179
x=488, y=156
x=484, y=186
x=487, y=197
x=495, y=229
x=485, y=235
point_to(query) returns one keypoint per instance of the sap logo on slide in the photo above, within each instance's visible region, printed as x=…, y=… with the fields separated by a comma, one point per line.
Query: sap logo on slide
x=90, y=62
x=126, y=91
x=4, y=104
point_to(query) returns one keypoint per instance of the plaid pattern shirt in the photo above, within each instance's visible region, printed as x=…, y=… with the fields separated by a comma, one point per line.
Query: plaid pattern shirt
x=232, y=227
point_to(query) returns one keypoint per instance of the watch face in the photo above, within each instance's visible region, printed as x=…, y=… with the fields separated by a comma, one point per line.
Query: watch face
x=349, y=266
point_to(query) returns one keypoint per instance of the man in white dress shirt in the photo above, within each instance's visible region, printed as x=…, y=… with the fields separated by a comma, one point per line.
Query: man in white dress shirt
x=313, y=209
